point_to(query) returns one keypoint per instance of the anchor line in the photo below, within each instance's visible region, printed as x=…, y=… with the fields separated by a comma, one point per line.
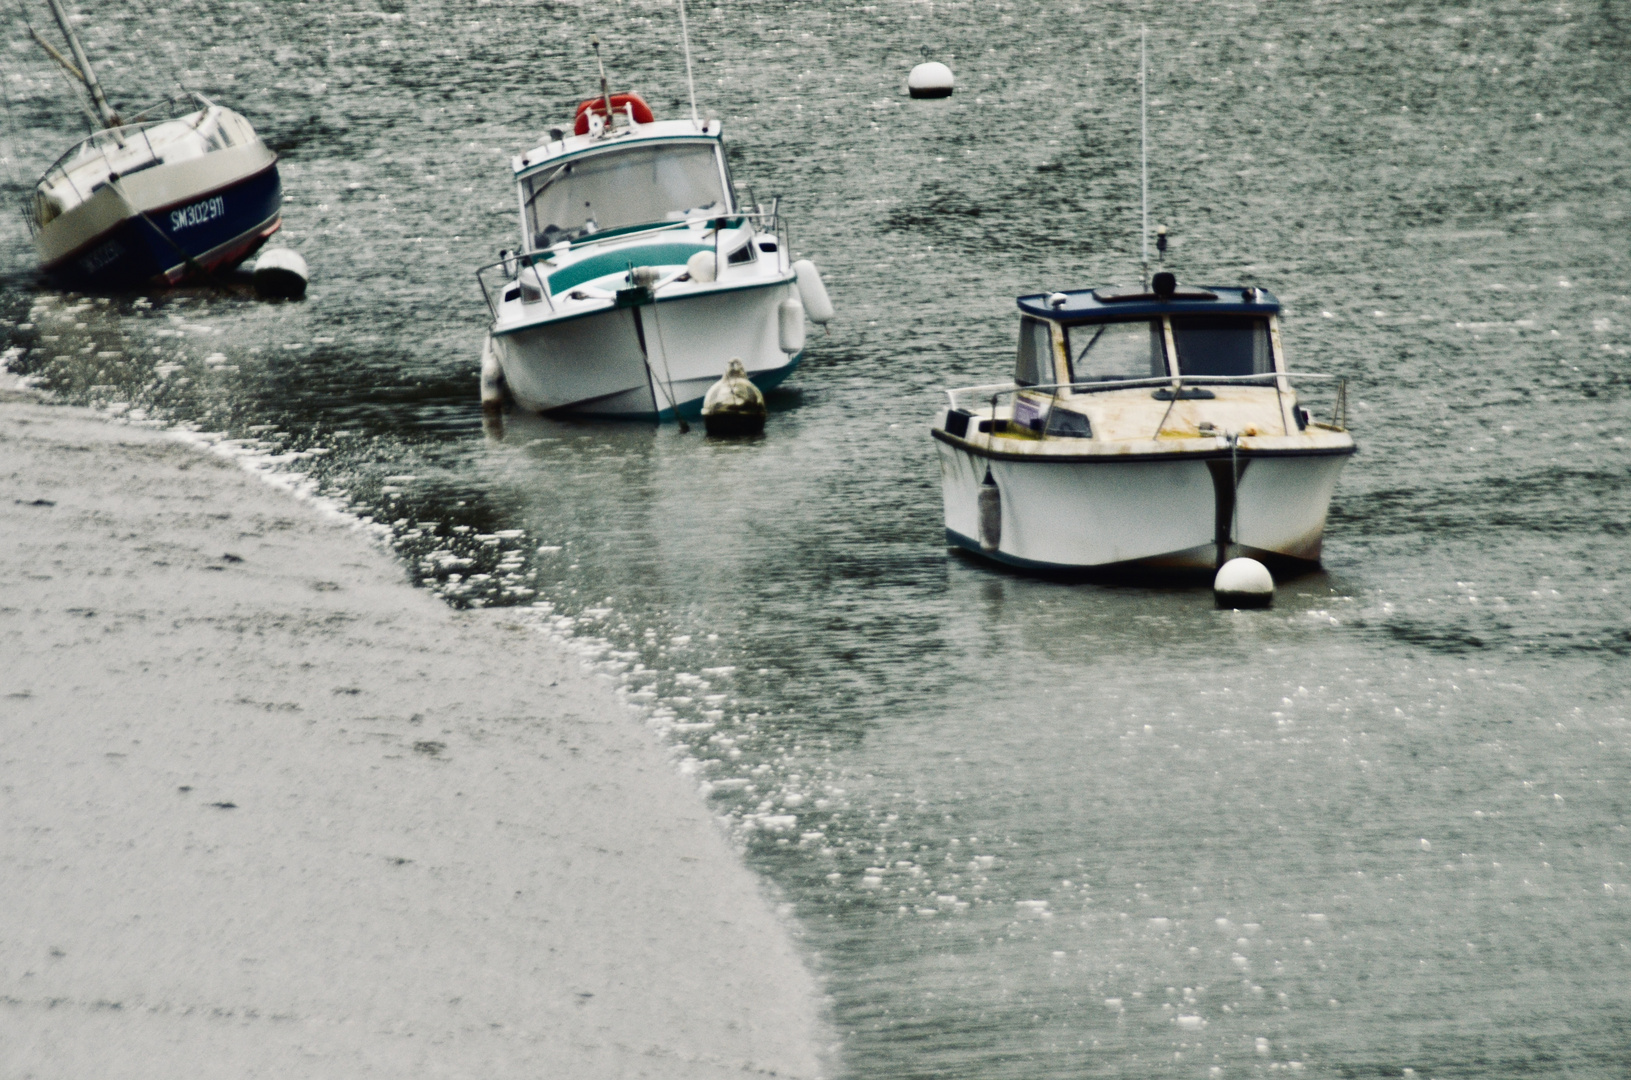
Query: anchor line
x=187, y=260
x=1177, y=388
x=991, y=436
x=662, y=350
x=1234, y=488
x=1226, y=502
x=645, y=358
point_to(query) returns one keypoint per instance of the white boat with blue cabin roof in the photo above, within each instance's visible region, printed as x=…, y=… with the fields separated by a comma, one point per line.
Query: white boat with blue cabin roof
x=1157, y=429
x=640, y=276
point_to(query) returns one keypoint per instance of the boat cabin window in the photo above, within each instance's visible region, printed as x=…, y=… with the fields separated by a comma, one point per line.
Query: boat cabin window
x=628, y=186
x=1108, y=352
x=1222, y=345
x=1035, y=363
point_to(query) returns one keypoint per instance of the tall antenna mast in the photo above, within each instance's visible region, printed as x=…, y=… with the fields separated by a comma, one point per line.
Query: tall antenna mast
x=1144, y=156
x=690, y=84
x=605, y=91
x=109, y=117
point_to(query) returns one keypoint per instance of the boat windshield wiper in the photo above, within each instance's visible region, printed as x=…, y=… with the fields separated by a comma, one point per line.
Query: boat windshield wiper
x=1092, y=342
x=541, y=188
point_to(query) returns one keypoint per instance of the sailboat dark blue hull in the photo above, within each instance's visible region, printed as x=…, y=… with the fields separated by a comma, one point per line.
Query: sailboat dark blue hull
x=212, y=231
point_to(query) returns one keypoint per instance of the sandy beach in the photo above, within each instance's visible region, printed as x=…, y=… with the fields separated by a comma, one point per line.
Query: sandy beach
x=267, y=810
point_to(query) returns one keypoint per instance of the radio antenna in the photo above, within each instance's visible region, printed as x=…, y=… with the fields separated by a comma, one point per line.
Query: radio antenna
x=605, y=91
x=690, y=84
x=1144, y=156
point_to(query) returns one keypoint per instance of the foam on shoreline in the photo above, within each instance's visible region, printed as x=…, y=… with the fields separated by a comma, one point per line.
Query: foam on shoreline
x=265, y=804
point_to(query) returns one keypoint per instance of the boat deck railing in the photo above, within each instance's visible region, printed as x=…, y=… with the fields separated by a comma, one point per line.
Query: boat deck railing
x=973, y=399
x=132, y=133
x=509, y=266
x=160, y=112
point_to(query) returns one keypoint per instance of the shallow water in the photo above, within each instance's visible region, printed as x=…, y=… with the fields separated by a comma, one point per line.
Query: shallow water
x=1028, y=828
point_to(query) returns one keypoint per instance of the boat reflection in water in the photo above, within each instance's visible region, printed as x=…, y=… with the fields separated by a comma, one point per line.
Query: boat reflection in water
x=1143, y=431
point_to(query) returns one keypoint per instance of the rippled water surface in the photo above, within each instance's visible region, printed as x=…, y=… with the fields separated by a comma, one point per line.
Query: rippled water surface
x=1029, y=828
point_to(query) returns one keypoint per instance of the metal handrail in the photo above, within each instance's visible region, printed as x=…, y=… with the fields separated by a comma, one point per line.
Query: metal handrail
x=1157, y=381
x=135, y=126
x=646, y=227
x=192, y=99
x=996, y=391
x=529, y=258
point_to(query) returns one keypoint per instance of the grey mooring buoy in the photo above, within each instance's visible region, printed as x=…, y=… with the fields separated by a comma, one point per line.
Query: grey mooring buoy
x=280, y=274
x=1243, y=583
x=734, y=406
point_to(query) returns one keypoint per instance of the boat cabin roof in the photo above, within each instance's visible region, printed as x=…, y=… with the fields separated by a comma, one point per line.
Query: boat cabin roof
x=1112, y=303
x=569, y=145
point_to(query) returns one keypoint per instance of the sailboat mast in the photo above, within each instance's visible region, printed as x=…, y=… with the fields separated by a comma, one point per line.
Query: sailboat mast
x=103, y=109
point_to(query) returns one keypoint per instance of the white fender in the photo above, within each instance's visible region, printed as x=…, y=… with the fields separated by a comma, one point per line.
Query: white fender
x=990, y=507
x=813, y=292
x=790, y=314
x=492, y=377
x=701, y=266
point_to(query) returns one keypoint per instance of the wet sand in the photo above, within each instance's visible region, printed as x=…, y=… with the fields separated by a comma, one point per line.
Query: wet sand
x=266, y=810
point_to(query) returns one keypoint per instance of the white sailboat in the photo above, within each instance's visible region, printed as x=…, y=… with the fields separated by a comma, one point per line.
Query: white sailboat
x=640, y=276
x=178, y=189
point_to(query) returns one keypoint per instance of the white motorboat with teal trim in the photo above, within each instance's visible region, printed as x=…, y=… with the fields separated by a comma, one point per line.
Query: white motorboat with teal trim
x=1152, y=430
x=640, y=277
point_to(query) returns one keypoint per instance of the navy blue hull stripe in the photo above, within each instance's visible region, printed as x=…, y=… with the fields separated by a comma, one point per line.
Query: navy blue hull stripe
x=131, y=254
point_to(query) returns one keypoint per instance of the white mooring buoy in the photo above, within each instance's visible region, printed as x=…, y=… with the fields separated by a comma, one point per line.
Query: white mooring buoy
x=1243, y=583
x=734, y=406
x=280, y=274
x=929, y=80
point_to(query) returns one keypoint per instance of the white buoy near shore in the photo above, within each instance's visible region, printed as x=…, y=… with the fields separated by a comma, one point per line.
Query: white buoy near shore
x=930, y=80
x=734, y=406
x=1243, y=583
x=280, y=274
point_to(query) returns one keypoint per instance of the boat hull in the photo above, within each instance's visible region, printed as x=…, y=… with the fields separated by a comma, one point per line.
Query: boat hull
x=117, y=246
x=1156, y=513
x=622, y=361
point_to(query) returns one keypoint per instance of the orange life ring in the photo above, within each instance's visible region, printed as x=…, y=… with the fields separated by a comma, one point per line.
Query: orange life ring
x=642, y=111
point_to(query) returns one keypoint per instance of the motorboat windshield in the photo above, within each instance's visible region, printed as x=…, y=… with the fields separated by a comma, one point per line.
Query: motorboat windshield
x=1112, y=351
x=632, y=185
x=1227, y=345
x=1207, y=346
